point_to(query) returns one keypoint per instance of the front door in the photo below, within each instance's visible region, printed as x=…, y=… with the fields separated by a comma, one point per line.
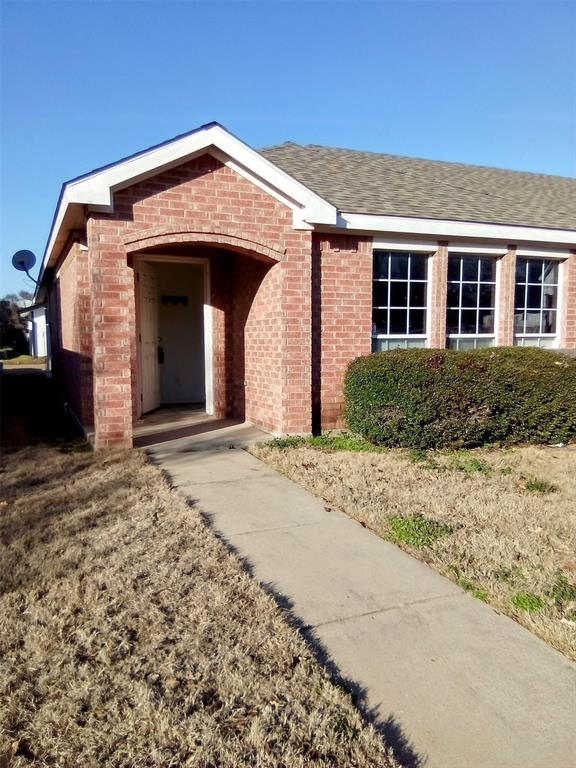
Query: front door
x=149, y=367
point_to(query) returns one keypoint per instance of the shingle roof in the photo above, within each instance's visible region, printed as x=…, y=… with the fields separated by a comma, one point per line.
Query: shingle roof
x=373, y=183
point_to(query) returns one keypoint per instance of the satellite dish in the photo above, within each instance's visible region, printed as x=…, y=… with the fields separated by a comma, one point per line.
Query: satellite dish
x=23, y=261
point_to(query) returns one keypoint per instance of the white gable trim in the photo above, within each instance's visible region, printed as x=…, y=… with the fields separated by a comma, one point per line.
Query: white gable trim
x=96, y=189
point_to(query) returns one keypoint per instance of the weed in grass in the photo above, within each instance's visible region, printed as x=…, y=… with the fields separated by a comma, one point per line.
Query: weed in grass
x=343, y=728
x=419, y=456
x=473, y=589
x=286, y=442
x=506, y=471
x=464, y=461
x=562, y=591
x=528, y=601
x=417, y=531
x=537, y=485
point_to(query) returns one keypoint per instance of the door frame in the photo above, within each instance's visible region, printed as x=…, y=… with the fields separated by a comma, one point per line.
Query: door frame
x=207, y=323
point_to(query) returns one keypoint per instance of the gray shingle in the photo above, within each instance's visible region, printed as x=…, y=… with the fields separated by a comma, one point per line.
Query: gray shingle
x=368, y=182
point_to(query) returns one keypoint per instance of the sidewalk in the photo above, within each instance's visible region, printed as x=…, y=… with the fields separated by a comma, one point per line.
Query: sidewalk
x=448, y=680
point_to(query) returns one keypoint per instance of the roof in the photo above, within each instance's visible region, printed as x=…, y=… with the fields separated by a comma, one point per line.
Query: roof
x=373, y=183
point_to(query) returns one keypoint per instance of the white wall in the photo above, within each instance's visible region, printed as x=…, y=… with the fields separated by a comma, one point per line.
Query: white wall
x=181, y=330
x=38, y=333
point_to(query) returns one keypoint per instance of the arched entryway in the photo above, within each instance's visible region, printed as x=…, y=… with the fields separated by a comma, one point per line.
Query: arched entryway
x=208, y=331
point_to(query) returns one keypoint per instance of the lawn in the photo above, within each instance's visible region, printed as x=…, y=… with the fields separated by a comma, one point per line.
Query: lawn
x=130, y=636
x=500, y=523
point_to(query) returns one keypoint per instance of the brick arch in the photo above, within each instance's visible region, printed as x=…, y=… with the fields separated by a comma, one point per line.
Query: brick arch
x=159, y=236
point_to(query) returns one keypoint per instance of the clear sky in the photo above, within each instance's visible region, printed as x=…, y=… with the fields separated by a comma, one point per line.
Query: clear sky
x=85, y=83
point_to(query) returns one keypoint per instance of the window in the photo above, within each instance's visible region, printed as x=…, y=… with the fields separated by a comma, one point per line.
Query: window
x=471, y=301
x=399, y=300
x=535, y=303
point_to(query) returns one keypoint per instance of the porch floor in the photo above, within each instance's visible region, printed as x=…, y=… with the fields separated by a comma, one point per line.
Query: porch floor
x=175, y=423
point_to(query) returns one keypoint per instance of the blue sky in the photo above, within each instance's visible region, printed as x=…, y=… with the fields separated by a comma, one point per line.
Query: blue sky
x=86, y=83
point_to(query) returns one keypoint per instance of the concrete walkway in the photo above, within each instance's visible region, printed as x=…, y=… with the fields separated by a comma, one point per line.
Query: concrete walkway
x=448, y=680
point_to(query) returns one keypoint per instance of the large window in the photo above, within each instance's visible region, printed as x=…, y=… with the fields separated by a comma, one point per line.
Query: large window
x=399, y=299
x=471, y=301
x=536, y=303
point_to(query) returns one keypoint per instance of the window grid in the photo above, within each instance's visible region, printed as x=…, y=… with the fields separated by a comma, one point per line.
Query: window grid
x=535, y=305
x=470, y=275
x=400, y=317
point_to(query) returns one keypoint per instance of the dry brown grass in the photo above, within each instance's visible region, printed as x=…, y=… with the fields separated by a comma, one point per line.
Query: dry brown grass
x=131, y=637
x=505, y=540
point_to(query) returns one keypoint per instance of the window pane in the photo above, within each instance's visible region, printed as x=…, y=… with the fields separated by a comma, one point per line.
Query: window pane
x=519, y=296
x=535, y=270
x=417, y=321
x=534, y=296
x=380, y=264
x=532, y=322
x=519, y=322
x=485, y=321
x=484, y=343
x=549, y=298
x=417, y=294
x=470, y=269
x=379, y=323
x=418, y=265
x=465, y=344
x=399, y=266
x=488, y=270
x=521, y=265
x=398, y=321
x=549, y=321
x=453, y=295
x=380, y=294
x=550, y=272
x=452, y=321
x=398, y=294
x=469, y=295
x=454, y=268
x=487, y=294
x=397, y=344
x=415, y=342
x=468, y=323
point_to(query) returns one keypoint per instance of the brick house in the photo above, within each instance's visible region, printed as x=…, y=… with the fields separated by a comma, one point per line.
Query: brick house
x=203, y=271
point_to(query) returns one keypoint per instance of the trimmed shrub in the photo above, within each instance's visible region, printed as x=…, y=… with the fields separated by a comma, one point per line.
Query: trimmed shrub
x=436, y=398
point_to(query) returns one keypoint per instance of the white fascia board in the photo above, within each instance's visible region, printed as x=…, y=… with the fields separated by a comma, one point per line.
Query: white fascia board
x=445, y=229
x=419, y=246
x=96, y=189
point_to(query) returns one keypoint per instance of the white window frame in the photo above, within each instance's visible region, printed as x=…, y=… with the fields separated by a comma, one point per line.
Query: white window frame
x=495, y=254
x=520, y=339
x=425, y=249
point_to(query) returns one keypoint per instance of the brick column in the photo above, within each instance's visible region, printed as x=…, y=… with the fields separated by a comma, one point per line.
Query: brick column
x=438, y=276
x=112, y=327
x=505, y=292
x=296, y=368
x=567, y=320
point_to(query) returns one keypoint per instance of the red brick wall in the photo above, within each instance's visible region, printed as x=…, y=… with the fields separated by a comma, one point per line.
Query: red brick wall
x=70, y=320
x=567, y=319
x=342, y=296
x=505, y=291
x=273, y=303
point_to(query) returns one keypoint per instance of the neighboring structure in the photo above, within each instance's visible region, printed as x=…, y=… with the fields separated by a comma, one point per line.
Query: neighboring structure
x=37, y=329
x=203, y=271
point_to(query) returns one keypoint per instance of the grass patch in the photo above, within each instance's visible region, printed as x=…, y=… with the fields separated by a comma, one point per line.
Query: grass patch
x=342, y=441
x=537, y=485
x=25, y=360
x=503, y=540
x=465, y=461
x=528, y=601
x=417, y=531
x=131, y=636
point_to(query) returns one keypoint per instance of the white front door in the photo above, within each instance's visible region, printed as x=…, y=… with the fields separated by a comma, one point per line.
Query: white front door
x=149, y=368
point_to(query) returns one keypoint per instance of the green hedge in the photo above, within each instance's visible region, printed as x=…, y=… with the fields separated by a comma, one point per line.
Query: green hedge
x=433, y=398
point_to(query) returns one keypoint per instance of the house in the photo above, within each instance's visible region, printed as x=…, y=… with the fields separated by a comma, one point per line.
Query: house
x=34, y=317
x=201, y=270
